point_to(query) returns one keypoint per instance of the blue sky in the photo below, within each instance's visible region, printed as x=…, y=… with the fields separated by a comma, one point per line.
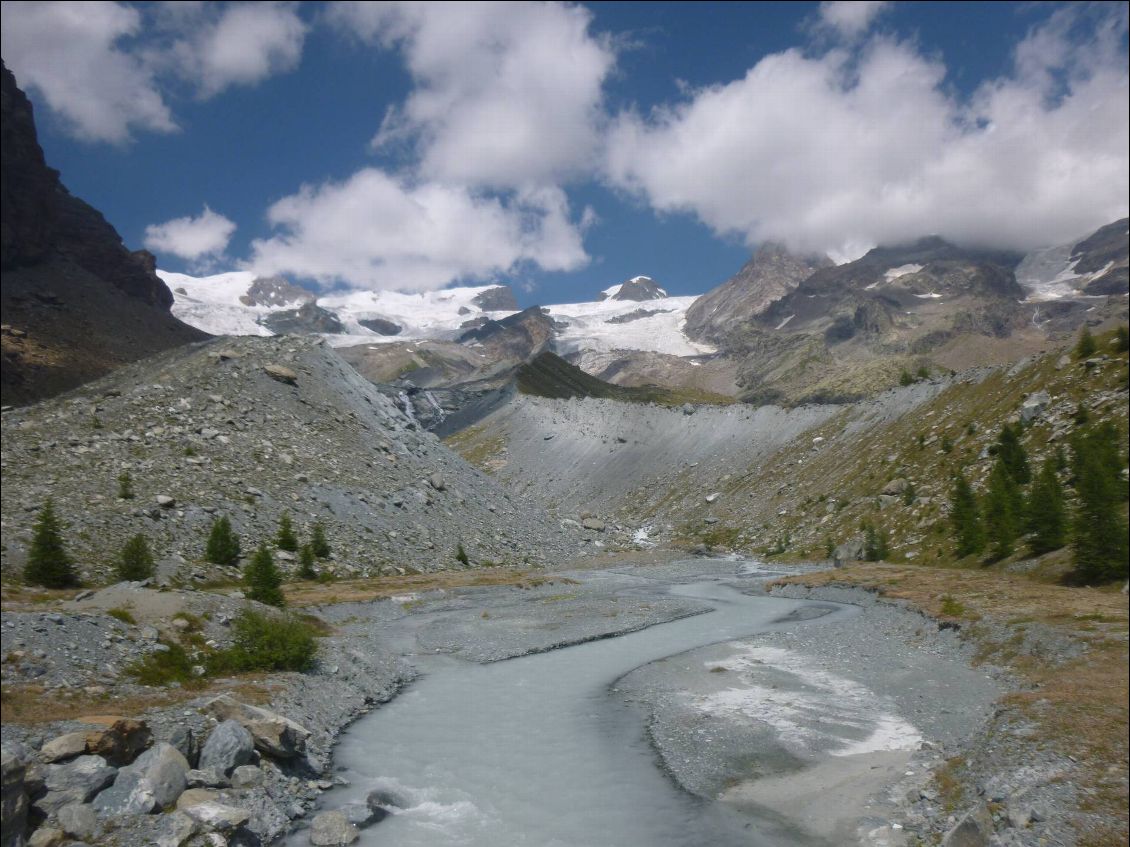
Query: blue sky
x=564, y=148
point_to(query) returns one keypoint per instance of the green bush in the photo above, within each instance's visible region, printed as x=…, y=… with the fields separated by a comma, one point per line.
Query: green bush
x=125, y=486
x=905, y=378
x=164, y=668
x=461, y=555
x=223, y=544
x=135, y=562
x=267, y=643
x=286, y=539
x=1086, y=346
x=263, y=579
x=306, y=563
x=48, y=563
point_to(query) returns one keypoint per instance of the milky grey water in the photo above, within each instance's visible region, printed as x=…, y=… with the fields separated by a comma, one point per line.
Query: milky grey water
x=537, y=751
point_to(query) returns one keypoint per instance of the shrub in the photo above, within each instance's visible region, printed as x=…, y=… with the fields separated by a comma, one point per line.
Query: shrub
x=923, y=372
x=286, y=539
x=461, y=555
x=267, y=643
x=135, y=562
x=223, y=544
x=48, y=563
x=306, y=563
x=318, y=542
x=1086, y=346
x=1122, y=339
x=164, y=668
x=905, y=378
x=123, y=615
x=125, y=486
x=263, y=579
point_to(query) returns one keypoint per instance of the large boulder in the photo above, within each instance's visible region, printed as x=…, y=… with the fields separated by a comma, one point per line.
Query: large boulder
x=973, y=830
x=155, y=780
x=273, y=734
x=63, y=747
x=218, y=816
x=13, y=798
x=78, y=821
x=77, y=781
x=229, y=745
x=848, y=552
x=332, y=829
x=121, y=743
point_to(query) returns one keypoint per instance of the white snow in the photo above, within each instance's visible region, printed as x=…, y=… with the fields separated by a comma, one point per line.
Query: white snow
x=932, y=295
x=588, y=328
x=815, y=711
x=782, y=324
x=211, y=303
x=901, y=270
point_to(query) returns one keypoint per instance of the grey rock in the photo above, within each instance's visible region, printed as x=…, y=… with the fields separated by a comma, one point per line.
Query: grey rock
x=150, y=784
x=46, y=836
x=271, y=733
x=229, y=745
x=175, y=829
x=973, y=830
x=896, y=487
x=437, y=481
x=205, y=778
x=595, y=524
x=218, y=816
x=183, y=739
x=165, y=501
x=77, y=781
x=78, y=820
x=1034, y=406
x=63, y=747
x=362, y=815
x=849, y=551
x=281, y=373
x=13, y=797
x=332, y=829
x=246, y=776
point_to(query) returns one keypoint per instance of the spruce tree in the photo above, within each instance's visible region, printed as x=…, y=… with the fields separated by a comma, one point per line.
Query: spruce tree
x=1099, y=533
x=1011, y=453
x=306, y=562
x=1086, y=346
x=263, y=579
x=318, y=542
x=48, y=563
x=1046, y=511
x=874, y=544
x=135, y=562
x=1003, y=508
x=286, y=539
x=125, y=486
x=966, y=519
x=223, y=544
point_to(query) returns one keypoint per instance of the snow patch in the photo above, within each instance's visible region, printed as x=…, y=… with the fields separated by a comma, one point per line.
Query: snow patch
x=901, y=270
x=781, y=325
x=933, y=295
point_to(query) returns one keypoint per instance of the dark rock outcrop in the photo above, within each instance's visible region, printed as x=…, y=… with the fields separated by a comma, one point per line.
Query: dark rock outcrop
x=307, y=318
x=381, y=326
x=637, y=289
x=519, y=337
x=274, y=291
x=497, y=299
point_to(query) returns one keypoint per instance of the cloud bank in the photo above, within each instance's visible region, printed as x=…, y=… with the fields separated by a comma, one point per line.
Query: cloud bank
x=203, y=237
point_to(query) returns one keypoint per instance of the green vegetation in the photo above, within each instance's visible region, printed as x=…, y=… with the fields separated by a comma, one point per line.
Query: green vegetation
x=1099, y=541
x=267, y=642
x=166, y=667
x=1011, y=453
x=263, y=580
x=286, y=539
x=906, y=378
x=1046, y=511
x=1003, y=510
x=223, y=544
x=1086, y=345
x=952, y=608
x=125, y=486
x=1122, y=339
x=135, y=562
x=48, y=563
x=306, y=563
x=123, y=615
x=875, y=548
x=318, y=543
x=461, y=555
x=969, y=531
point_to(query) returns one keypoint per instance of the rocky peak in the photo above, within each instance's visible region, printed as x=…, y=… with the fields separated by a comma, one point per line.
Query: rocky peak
x=274, y=291
x=638, y=288
x=500, y=298
x=307, y=318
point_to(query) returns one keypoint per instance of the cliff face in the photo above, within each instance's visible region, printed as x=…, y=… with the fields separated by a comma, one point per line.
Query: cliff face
x=76, y=301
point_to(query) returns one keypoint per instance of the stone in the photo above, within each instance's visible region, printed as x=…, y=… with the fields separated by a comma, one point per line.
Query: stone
x=78, y=820
x=165, y=501
x=1034, y=406
x=332, y=829
x=195, y=796
x=362, y=815
x=183, y=739
x=121, y=743
x=710, y=498
x=229, y=745
x=205, y=778
x=13, y=796
x=218, y=816
x=595, y=524
x=896, y=487
x=63, y=747
x=77, y=781
x=437, y=481
x=974, y=829
x=46, y=836
x=246, y=776
x=281, y=374
x=273, y=735
x=153, y=782
x=849, y=551
x=175, y=830
x=385, y=799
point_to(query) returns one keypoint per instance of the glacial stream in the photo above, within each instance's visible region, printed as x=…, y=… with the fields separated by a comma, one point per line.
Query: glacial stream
x=539, y=750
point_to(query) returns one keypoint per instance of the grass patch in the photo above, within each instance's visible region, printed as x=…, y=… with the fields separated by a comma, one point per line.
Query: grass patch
x=165, y=668
x=123, y=615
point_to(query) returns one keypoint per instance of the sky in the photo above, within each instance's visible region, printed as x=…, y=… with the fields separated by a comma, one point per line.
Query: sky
x=563, y=148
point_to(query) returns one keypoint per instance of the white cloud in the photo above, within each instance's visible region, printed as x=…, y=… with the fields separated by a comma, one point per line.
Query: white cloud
x=70, y=52
x=506, y=94
x=201, y=238
x=846, y=150
x=241, y=44
x=850, y=18
x=375, y=231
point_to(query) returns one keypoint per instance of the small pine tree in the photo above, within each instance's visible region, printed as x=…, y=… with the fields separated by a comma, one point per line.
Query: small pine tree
x=923, y=372
x=1011, y=453
x=318, y=542
x=1046, y=511
x=135, y=562
x=263, y=579
x=306, y=562
x=286, y=539
x=905, y=378
x=1003, y=509
x=966, y=519
x=461, y=555
x=1086, y=346
x=1099, y=533
x=874, y=543
x=125, y=486
x=48, y=563
x=1122, y=339
x=223, y=544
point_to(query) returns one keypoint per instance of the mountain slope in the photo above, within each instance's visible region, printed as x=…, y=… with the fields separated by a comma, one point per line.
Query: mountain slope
x=76, y=303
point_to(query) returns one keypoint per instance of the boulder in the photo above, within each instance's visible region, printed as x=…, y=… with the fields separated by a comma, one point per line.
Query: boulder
x=332, y=829
x=13, y=797
x=196, y=796
x=47, y=836
x=121, y=743
x=973, y=830
x=78, y=821
x=896, y=487
x=218, y=816
x=229, y=745
x=272, y=734
x=154, y=781
x=186, y=742
x=246, y=776
x=175, y=830
x=63, y=747
x=595, y=524
x=1034, y=406
x=281, y=374
x=205, y=778
x=849, y=551
x=77, y=781
x=362, y=815
x=437, y=481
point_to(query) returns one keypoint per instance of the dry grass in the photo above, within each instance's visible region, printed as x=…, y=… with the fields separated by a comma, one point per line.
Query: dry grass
x=376, y=588
x=16, y=597
x=1079, y=706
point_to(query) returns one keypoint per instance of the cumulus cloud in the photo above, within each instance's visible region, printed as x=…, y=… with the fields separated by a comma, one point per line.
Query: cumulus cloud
x=845, y=150
x=850, y=18
x=379, y=232
x=71, y=53
x=506, y=94
x=203, y=237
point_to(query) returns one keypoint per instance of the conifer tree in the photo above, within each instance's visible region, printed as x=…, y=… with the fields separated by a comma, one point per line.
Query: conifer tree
x=1011, y=453
x=263, y=579
x=125, y=486
x=1046, y=511
x=1099, y=533
x=1002, y=510
x=135, y=562
x=1086, y=346
x=48, y=563
x=306, y=562
x=286, y=539
x=223, y=544
x=966, y=519
x=318, y=542
x=874, y=543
